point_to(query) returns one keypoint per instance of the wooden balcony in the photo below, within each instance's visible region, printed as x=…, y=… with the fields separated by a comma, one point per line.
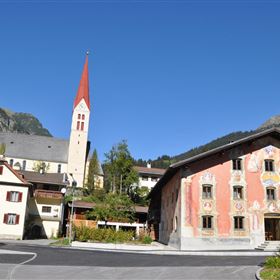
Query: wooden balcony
x=48, y=194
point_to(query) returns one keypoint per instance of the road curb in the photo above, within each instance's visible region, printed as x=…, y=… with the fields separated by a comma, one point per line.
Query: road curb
x=176, y=253
x=258, y=272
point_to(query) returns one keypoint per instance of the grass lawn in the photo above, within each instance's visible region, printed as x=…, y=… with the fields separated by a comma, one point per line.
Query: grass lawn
x=61, y=242
x=270, y=274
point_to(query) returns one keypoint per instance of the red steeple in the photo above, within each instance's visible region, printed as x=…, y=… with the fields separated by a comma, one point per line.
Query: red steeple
x=83, y=90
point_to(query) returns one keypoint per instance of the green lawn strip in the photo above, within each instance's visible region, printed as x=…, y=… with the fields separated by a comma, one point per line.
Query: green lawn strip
x=270, y=274
x=60, y=242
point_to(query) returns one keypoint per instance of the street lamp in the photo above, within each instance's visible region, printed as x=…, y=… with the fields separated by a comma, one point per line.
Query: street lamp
x=74, y=184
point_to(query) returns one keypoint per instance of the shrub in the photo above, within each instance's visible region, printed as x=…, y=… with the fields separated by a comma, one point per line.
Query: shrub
x=272, y=262
x=147, y=240
x=84, y=233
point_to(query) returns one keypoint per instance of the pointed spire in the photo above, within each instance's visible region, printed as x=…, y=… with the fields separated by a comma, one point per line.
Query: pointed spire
x=83, y=90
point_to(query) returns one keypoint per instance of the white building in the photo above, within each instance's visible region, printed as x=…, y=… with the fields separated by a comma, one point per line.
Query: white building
x=13, y=202
x=50, y=164
x=148, y=176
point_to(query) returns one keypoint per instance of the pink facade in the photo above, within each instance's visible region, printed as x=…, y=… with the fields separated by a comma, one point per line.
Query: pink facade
x=226, y=197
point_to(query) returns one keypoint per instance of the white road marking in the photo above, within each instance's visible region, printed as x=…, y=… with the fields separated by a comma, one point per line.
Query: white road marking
x=10, y=273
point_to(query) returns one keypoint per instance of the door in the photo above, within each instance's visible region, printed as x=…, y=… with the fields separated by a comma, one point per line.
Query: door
x=272, y=228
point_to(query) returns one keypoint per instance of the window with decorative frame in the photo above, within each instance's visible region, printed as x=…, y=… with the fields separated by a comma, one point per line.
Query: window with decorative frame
x=270, y=194
x=237, y=164
x=207, y=191
x=269, y=165
x=237, y=192
x=238, y=222
x=207, y=222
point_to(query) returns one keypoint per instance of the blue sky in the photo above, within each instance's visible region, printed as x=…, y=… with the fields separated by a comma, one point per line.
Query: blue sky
x=166, y=76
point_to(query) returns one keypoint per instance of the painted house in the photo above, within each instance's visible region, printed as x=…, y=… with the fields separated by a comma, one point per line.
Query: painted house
x=228, y=197
x=13, y=202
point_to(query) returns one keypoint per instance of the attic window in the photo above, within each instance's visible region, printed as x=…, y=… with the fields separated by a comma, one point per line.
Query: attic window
x=12, y=142
x=49, y=147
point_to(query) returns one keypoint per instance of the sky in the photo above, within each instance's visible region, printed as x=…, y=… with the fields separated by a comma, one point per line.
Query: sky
x=166, y=76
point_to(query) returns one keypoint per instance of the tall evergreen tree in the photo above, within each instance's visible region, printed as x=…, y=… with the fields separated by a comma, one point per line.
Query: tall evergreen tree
x=93, y=172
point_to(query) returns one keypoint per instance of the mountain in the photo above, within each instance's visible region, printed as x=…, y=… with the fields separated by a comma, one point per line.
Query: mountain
x=165, y=160
x=21, y=123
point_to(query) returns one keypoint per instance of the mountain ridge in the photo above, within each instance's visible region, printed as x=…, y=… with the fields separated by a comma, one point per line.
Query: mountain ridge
x=24, y=123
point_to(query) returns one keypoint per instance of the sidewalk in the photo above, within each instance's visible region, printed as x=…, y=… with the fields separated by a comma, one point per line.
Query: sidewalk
x=160, y=249
x=40, y=242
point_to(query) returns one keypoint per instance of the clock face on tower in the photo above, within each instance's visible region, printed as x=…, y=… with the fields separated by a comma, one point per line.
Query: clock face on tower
x=81, y=106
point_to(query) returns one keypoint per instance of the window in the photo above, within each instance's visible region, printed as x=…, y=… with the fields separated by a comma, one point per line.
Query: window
x=207, y=222
x=236, y=164
x=11, y=219
x=79, y=116
x=206, y=191
x=83, y=117
x=154, y=179
x=82, y=126
x=14, y=196
x=59, y=168
x=78, y=125
x=238, y=222
x=1, y=170
x=11, y=162
x=23, y=164
x=237, y=192
x=270, y=194
x=145, y=178
x=176, y=224
x=269, y=165
x=46, y=209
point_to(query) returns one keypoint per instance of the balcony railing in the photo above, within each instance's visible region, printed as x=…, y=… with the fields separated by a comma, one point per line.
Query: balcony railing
x=48, y=194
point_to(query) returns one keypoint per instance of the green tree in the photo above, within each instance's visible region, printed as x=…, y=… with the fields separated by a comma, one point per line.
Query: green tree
x=93, y=172
x=114, y=207
x=120, y=175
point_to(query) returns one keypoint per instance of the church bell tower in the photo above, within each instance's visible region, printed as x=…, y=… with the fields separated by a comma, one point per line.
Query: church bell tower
x=77, y=151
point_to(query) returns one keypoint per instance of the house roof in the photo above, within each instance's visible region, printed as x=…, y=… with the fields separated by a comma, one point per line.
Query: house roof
x=90, y=205
x=35, y=147
x=83, y=90
x=149, y=171
x=173, y=168
x=45, y=178
x=18, y=175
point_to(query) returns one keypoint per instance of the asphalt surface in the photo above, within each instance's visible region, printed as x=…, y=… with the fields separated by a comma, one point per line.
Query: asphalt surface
x=63, y=263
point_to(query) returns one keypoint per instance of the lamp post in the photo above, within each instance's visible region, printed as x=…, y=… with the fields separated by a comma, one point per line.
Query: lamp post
x=74, y=184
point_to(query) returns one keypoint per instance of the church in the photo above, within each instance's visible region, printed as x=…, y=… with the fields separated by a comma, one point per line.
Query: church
x=225, y=198
x=36, y=171
x=53, y=155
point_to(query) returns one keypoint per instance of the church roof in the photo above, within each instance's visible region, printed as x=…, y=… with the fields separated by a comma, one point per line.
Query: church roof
x=83, y=90
x=35, y=147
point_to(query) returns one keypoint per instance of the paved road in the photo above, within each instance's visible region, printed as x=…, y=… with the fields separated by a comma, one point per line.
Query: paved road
x=60, y=263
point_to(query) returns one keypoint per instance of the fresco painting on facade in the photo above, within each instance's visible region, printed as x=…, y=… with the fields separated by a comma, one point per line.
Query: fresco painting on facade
x=230, y=200
x=187, y=183
x=253, y=163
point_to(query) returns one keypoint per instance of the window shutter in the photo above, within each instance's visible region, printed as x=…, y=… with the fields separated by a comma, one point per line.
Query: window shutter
x=17, y=219
x=8, y=197
x=5, y=221
x=20, y=197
